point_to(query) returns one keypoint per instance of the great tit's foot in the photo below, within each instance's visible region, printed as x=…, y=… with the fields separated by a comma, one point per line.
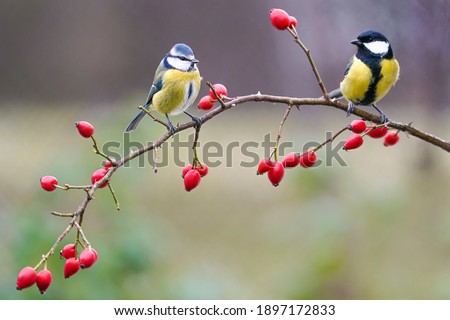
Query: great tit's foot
x=350, y=108
x=384, y=119
x=197, y=120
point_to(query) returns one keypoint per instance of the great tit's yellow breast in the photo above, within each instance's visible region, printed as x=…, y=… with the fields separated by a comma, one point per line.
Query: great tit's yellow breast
x=356, y=82
x=390, y=71
x=175, y=95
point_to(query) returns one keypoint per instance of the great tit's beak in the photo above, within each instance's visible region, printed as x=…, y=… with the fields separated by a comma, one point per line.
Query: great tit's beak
x=356, y=42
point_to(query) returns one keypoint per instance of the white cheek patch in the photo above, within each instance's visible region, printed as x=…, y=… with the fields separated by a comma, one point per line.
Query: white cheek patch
x=377, y=47
x=179, y=64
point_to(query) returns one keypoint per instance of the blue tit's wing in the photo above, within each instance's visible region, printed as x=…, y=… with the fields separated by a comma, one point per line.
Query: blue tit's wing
x=349, y=65
x=154, y=89
x=137, y=119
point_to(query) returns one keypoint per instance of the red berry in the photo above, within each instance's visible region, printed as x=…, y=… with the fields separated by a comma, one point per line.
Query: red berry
x=87, y=258
x=377, y=132
x=279, y=18
x=205, y=103
x=85, y=128
x=353, y=142
x=95, y=253
x=48, y=183
x=27, y=277
x=264, y=166
x=69, y=251
x=308, y=159
x=291, y=160
x=203, y=170
x=107, y=165
x=43, y=281
x=276, y=174
x=293, y=21
x=191, y=180
x=71, y=267
x=98, y=175
x=358, y=126
x=186, y=170
x=220, y=89
x=391, y=138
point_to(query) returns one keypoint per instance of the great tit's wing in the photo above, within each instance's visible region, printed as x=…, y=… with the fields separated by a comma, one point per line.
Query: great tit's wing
x=349, y=65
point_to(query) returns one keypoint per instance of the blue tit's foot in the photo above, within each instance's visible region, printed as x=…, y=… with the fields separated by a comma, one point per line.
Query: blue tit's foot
x=384, y=119
x=197, y=120
x=170, y=126
x=350, y=108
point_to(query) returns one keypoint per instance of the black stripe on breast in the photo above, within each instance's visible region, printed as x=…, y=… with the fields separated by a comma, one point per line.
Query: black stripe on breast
x=374, y=63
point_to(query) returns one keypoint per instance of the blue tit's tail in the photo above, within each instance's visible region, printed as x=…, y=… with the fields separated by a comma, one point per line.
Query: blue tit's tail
x=335, y=94
x=135, y=122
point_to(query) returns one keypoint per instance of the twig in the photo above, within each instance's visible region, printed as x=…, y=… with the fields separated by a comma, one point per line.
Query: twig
x=153, y=117
x=280, y=128
x=114, y=196
x=297, y=40
x=97, y=151
x=222, y=103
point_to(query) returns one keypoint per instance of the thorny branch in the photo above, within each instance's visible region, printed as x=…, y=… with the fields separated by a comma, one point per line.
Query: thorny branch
x=77, y=216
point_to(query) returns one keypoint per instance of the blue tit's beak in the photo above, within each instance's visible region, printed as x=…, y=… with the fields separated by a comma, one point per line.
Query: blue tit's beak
x=195, y=61
x=356, y=42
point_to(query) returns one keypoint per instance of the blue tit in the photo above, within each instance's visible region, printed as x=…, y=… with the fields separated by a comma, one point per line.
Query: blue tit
x=175, y=86
x=370, y=73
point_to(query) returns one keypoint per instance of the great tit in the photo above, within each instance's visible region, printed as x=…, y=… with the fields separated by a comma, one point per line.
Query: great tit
x=175, y=86
x=370, y=73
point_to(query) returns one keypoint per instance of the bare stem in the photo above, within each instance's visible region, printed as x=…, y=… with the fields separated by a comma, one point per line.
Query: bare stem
x=81, y=233
x=114, y=196
x=280, y=128
x=196, y=161
x=97, y=151
x=153, y=117
x=297, y=40
x=221, y=101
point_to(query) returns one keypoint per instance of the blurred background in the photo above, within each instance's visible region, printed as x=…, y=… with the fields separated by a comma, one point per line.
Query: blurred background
x=377, y=228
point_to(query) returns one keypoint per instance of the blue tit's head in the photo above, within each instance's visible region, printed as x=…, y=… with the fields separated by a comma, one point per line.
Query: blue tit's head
x=180, y=57
x=373, y=43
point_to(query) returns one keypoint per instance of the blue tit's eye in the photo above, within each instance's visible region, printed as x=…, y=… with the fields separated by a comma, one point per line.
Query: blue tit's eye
x=184, y=58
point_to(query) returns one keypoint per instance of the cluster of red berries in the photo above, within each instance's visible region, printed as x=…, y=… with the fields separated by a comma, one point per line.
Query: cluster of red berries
x=28, y=275
x=360, y=129
x=86, y=130
x=207, y=102
x=281, y=19
x=192, y=175
x=86, y=259
x=275, y=170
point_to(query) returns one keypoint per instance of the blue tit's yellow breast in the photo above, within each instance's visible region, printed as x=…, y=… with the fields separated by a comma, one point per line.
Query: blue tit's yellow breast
x=356, y=82
x=390, y=71
x=175, y=90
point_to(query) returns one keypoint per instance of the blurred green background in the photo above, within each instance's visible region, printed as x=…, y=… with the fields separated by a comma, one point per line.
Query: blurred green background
x=377, y=228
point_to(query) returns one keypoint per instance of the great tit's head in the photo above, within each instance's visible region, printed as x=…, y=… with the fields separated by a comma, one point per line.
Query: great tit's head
x=374, y=43
x=180, y=57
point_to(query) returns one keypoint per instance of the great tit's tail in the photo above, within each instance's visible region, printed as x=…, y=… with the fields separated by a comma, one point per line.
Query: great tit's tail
x=335, y=94
x=137, y=119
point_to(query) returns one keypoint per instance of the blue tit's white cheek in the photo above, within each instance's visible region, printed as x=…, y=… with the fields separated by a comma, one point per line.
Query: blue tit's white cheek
x=179, y=64
x=377, y=47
